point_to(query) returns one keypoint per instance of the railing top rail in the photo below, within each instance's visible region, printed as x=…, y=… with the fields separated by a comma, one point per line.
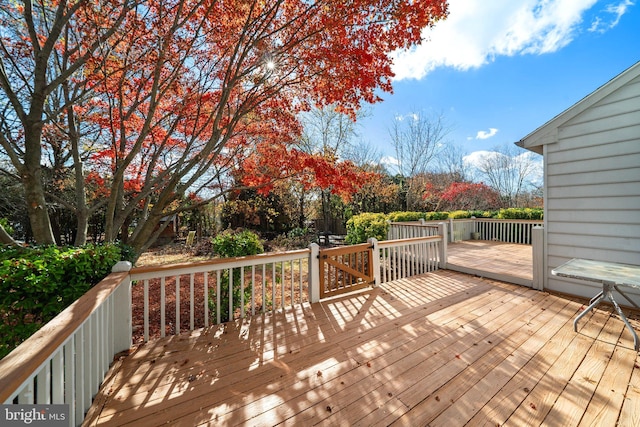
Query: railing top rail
x=151, y=271
x=347, y=249
x=433, y=223
x=414, y=240
x=26, y=359
x=532, y=221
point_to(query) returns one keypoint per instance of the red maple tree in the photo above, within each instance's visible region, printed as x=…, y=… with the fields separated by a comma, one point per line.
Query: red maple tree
x=182, y=93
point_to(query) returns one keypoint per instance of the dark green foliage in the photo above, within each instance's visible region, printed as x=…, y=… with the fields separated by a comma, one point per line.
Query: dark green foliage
x=229, y=244
x=436, y=216
x=483, y=214
x=364, y=226
x=297, y=238
x=37, y=284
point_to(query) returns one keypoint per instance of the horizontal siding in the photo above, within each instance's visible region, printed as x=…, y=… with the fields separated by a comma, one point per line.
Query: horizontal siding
x=595, y=217
x=593, y=188
x=592, y=146
x=605, y=229
x=617, y=103
x=625, y=189
x=613, y=163
x=623, y=203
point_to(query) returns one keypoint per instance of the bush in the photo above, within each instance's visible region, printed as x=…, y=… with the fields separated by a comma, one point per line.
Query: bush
x=436, y=216
x=4, y=222
x=298, y=238
x=38, y=283
x=405, y=216
x=364, y=226
x=459, y=214
x=483, y=214
x=519, y=213
x=230, y=244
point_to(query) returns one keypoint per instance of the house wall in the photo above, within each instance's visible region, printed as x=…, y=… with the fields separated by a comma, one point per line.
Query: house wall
x=593, y=188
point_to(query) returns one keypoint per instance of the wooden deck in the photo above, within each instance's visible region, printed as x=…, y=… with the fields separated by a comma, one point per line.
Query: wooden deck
x=508, y=262
x=440, y=349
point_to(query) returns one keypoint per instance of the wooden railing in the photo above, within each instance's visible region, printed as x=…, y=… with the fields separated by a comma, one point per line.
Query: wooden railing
x=259, y=284
x=506, y=230
x=66, y=361
x=400, y=259
x=501, y=230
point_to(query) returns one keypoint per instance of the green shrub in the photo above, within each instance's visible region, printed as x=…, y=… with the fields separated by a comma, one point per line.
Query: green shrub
x=460, y=214
x=364, y=226
x=520, y=213
x=229, y=244
x=405, y=216
x=483, y=214
x=436, y=216
x=298, y=238
x=38, y=283
x=4, y=222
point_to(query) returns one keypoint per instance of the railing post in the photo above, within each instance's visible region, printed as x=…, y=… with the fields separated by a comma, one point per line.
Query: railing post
x=537, y=244
x=442, y=230
x=375, y=261
x=452, y=237
x=122, y=322
x=314, y=273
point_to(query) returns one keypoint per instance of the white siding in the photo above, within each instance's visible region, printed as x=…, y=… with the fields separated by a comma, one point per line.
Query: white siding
x=593, y=187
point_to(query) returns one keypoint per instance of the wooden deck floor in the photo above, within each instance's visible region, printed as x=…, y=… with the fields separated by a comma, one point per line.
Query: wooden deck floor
x=509, y=262
x=440, y=349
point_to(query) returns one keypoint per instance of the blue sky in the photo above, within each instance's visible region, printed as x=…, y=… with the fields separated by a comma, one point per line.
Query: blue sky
x=499, y=69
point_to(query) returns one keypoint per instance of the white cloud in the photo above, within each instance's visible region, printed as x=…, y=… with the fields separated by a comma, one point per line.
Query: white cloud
x=474, y=160
x=610, y=16
x=486, y=135
x=477, y=31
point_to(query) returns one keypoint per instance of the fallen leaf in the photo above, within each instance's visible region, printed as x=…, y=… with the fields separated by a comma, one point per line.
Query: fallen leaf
x=319, y=374
x=533, y=406
x=437, y=398
x=368, y=364
x=328, y=408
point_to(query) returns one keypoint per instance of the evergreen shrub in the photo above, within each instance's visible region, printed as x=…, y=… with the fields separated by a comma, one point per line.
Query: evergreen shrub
x=38, y=283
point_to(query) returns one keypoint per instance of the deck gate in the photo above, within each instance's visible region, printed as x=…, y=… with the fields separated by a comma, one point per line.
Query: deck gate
x=345, y=269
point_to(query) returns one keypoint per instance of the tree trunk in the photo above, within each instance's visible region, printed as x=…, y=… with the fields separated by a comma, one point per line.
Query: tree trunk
x=6, y=239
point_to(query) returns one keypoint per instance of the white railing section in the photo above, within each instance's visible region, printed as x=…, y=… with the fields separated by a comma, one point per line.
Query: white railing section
x=410, y=230
x=399, y=259
x=506, y=230
x=502, y=230
x=66, y=360
x=240, y=286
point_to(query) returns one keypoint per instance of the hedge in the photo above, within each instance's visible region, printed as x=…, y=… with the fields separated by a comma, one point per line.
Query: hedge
x=38, y=283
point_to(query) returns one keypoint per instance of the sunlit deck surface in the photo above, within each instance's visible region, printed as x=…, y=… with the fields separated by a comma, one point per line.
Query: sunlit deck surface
x=440, y=349
x=498, y=260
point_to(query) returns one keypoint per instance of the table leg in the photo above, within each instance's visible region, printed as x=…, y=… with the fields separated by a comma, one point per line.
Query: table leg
x=636, y=345
x=598, y=299
x=626, y=297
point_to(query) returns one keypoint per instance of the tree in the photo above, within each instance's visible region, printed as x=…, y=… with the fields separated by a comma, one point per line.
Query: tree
x=417, y=139
x=44, y=45
x=470, y=196
x=508, y=170
x=183, y=94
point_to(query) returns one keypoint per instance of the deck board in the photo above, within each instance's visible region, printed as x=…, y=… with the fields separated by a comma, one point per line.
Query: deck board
x=444, y=348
